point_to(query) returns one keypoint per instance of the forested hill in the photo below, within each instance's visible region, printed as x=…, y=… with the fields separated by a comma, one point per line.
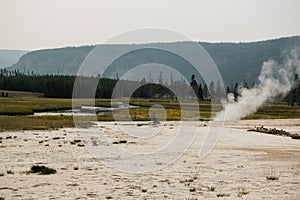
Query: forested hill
x=62, y=61
x=243, y=61
x=236, y=61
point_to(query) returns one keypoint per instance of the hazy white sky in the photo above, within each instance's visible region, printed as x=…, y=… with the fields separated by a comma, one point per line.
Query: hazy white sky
x=36, y=24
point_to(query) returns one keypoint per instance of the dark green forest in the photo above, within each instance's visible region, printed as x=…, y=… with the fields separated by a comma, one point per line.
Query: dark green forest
x=61, y=86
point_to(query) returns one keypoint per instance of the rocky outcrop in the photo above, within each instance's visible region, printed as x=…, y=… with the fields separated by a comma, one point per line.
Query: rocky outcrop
x=274, y=131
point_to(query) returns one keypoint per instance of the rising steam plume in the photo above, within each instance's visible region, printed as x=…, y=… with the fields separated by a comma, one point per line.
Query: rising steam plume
x=275, y=79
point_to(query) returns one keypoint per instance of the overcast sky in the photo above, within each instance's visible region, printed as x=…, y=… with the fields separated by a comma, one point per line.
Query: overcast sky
x=37, y=24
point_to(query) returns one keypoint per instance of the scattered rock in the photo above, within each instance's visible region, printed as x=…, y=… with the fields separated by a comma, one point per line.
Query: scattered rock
x=9, y=172
x=122, y=141
x=144, y=190
x=8, y=188
x=94, y=142
x=295, y=136
x=242, y=192
x=91, y=194
x=72, y=184
x=272, y=178
x=223, y=195
x=211, y=188
x=274, y=131
x=80, y=144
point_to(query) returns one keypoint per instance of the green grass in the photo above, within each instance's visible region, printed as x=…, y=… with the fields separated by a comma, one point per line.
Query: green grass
x=173, y=109
x=11, y=123
x=29, y=105
x=276, y=111
x=267, y=111
x=15, y=112
x=34, y=123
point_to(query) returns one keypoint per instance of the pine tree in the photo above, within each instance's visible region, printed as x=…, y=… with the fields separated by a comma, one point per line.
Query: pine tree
x=200, y=92
x=160, y=81
x=236, y=91
x=212, y=90
x=228, y=90
x=205, y=91
x=218, y=90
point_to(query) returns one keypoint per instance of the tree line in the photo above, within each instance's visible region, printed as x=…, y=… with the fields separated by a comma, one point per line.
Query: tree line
x=61, y=86
x=215, y=90
x=293, y=97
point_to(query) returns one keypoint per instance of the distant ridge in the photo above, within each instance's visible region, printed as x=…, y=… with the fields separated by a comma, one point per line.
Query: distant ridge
x=10, y=57
x=236, y=61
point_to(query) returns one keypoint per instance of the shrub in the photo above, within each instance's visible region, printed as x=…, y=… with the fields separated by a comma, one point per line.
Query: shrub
x=42, y=170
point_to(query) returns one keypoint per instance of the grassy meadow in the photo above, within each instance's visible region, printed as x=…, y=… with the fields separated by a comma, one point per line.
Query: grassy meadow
x=16, y=113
